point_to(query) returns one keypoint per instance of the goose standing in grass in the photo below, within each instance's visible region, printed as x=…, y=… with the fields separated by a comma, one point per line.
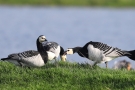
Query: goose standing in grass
x=100, y=52
x=123, y=64
x=55, y=48
x=31, y=58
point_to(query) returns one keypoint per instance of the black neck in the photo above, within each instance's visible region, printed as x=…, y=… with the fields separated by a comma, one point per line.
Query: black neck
x=80, y=51
x=61, y=50
x=77, y=49
x=83, y=52
x=44, y=56
x=41, y=51
x=39, y=46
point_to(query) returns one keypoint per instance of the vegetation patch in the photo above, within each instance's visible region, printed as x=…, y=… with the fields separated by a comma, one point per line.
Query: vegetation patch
x=112, y=3
x=64, y=76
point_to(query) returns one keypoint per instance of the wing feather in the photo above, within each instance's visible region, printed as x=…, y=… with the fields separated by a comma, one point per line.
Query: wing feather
x=50, y=46
x=107, y=50
x=25, y=54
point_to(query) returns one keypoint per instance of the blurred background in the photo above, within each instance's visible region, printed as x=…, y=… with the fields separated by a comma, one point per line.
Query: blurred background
x=70, y=23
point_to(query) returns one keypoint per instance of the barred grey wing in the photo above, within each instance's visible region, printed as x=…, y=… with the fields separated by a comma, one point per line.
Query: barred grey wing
x=49, y=45
x=107, y=50
x=25, y=54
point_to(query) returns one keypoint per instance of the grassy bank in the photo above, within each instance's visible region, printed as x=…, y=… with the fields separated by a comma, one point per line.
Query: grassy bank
x=113, y=3
x=66, y=76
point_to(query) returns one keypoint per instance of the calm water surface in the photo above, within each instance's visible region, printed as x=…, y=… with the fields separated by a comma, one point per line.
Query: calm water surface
x=69, y=26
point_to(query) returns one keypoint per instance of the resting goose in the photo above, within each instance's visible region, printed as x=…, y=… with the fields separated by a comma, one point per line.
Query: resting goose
x=31, y=58
x=100, y=52
x=123, y=64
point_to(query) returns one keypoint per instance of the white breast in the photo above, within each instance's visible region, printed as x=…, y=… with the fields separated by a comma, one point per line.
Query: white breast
x=36, y=61
x=56, y=51
x=51, y=55
x=95, y=54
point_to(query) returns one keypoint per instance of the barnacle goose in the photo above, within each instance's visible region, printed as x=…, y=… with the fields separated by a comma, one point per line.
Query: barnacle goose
x=100, y=52
x=31, y=58
x=55, y=48
x=122, y=64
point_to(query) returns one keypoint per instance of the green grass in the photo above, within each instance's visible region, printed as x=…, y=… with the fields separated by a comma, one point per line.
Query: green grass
x=65, y=76
x=112, y=3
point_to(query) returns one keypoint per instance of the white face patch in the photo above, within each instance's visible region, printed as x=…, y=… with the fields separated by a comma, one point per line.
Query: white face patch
x=70, y=51
x=42, y=39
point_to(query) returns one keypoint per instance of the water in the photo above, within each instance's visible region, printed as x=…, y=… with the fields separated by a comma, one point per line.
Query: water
x=68, y=26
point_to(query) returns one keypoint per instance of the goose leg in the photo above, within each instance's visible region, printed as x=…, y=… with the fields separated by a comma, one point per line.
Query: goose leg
x=106, y=64
x=95, y=63
x=20, y=64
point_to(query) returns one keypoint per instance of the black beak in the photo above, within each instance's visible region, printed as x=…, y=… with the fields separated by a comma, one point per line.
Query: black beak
x=45, y=39
x=65, y=53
